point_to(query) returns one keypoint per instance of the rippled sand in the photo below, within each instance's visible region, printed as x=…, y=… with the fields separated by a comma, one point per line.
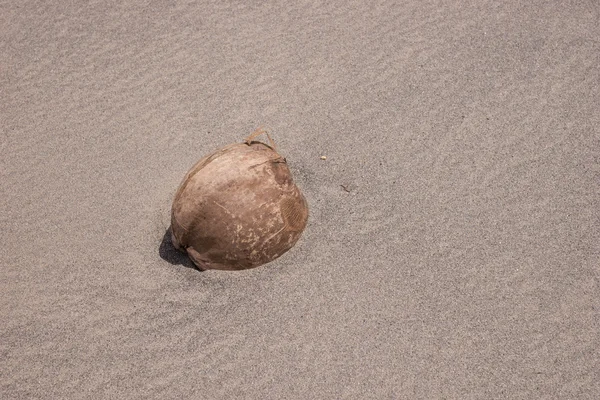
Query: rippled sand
x=453, y=244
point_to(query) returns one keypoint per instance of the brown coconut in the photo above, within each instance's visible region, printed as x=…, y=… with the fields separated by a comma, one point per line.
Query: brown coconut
x=238, y=208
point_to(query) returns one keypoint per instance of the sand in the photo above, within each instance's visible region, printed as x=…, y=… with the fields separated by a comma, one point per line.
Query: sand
x=453, y=246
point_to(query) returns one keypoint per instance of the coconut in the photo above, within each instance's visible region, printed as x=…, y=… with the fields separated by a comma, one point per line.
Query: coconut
x=238, y=207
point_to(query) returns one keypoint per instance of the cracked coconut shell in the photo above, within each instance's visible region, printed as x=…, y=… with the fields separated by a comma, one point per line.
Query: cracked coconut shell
x=238, y=208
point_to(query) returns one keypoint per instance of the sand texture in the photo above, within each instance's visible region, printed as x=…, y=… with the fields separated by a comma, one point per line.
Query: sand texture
x=453, y=244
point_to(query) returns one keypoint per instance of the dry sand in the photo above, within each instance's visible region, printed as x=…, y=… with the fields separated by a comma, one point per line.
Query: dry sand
x=463, y=263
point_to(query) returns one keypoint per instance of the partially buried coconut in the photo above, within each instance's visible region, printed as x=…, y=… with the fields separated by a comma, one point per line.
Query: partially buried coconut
x=238, y=208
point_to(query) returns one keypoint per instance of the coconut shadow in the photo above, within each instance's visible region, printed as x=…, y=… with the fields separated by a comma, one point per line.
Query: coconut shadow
x=170, y=254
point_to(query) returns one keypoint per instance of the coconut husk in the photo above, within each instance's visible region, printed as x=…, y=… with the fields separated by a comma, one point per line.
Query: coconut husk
x=238, y=207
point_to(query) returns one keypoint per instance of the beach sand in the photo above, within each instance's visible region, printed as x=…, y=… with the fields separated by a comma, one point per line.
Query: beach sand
x=453, y=244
